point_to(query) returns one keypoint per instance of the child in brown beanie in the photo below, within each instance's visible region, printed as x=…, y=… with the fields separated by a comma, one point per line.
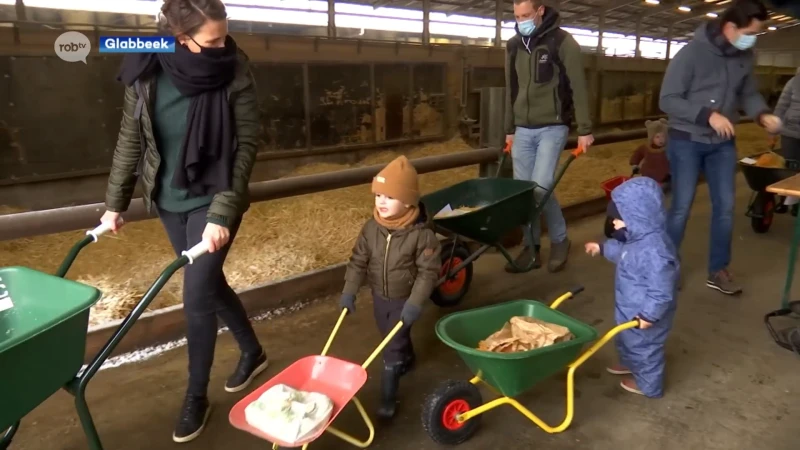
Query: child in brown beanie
x=399, y=254
x=650, y=159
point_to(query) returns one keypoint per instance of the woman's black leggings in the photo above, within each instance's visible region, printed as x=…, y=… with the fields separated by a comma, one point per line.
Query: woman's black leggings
x=206, y=295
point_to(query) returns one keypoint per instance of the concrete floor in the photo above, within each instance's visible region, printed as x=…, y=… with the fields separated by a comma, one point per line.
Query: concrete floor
x=729, y=386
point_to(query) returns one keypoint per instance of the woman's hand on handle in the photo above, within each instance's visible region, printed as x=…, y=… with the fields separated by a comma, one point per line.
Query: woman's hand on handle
x=113, y=220
x=216, y=236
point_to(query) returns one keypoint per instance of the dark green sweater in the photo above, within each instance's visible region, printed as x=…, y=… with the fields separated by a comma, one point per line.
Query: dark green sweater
x=170, y=112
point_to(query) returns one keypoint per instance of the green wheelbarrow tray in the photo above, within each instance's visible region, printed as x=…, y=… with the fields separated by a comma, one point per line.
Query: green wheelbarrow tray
x=42, y=337
x=512, y=373
x=504, y=205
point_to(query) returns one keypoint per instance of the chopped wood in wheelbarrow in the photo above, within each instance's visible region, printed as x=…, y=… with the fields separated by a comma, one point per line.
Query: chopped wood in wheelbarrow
x=521, y=334
x=289, y=236
x=461, y=210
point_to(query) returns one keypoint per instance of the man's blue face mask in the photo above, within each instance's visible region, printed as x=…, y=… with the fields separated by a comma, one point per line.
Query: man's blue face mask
x=745, y=41
x=526, y=27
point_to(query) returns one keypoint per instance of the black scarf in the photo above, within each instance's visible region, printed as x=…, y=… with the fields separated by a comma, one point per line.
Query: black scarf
x=207, y=151
x=717, y=39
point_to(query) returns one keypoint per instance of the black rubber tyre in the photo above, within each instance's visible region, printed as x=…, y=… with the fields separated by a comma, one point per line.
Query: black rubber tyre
x=450, y=293
x=764, y=207
x=442, y=406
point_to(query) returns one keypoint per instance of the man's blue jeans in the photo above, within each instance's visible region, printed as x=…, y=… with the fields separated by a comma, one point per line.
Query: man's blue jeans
x=535, y=155
x=717, y=162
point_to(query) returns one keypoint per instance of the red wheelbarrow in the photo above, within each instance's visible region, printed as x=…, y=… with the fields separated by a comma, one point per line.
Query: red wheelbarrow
x=336, y=378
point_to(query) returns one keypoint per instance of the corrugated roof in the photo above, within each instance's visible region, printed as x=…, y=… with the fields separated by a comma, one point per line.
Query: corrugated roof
x=621, y=15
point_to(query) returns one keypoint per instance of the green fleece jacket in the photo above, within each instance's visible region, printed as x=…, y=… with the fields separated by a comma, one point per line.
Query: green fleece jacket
x=545, y=89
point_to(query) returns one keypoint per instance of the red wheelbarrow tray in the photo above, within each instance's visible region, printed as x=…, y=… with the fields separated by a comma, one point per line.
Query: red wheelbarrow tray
x=336, y=378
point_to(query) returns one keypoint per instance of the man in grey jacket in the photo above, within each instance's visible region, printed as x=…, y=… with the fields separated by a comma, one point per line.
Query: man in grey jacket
x=704, y=87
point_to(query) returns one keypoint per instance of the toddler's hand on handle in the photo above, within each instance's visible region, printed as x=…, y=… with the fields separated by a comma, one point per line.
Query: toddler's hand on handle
x=643, y=324
x=348, y=302
x=410, y=314
x=592, y=248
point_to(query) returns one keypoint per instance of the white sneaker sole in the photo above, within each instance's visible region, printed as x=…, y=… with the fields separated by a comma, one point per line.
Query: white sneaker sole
x=631, y=390
x=715, y=287
x=250, y=379
x=617, y=372
x=193, y=436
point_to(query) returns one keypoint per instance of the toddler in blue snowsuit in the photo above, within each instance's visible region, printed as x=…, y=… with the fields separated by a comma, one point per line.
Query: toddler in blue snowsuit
x=645, y=282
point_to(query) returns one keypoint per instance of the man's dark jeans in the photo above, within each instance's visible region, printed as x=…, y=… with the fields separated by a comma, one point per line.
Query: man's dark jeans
x=687, y=160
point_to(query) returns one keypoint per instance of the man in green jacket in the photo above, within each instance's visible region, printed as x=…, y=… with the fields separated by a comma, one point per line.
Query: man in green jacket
x=545, y=92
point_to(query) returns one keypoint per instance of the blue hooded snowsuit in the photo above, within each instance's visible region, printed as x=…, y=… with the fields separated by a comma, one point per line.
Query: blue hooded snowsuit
x=645, y=281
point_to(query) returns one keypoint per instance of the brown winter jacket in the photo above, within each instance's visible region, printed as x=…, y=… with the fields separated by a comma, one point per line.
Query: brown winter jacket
x=227, y=206
x=399, y=265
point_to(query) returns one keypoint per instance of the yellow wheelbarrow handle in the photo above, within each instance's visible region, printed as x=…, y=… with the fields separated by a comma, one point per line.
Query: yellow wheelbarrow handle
x=377, y=350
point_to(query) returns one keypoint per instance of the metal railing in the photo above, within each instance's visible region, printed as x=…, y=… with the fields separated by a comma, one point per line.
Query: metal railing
x=58, y=220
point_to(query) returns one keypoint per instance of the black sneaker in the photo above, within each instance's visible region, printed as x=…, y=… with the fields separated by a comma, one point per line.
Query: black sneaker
x=193, y=418
x=248, y=368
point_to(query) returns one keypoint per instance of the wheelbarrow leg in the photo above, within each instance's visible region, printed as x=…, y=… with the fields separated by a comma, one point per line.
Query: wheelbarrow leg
x=787, y=289
x=92, y=438
x=350, y=439
x=5, y=441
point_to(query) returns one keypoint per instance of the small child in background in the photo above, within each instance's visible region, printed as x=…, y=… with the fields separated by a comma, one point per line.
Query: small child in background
x=651, y=159
x=645, y=283
x=399, y=254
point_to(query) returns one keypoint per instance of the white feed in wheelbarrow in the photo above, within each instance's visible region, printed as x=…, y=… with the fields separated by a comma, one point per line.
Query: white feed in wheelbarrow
x=288, y=414
x=150, y=352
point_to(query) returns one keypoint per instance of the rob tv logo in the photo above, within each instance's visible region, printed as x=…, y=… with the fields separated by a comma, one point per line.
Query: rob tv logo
x=73, y=46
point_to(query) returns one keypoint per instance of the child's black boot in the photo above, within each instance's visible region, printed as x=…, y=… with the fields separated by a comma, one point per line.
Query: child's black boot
x=390, y=382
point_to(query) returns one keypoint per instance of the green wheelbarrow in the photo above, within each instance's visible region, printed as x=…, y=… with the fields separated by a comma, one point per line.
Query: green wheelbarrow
x=451, y=414
x=496, y=207
x=43, y=324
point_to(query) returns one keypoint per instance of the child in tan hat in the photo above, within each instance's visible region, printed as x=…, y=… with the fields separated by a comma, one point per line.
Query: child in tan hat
x=399, y=255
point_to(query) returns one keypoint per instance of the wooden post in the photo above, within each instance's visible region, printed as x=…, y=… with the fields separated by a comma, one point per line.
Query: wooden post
x=638, y=51
x=331, y=18
x=426, y=22
x=498, y=25
x=669, y=42
x=307, y=104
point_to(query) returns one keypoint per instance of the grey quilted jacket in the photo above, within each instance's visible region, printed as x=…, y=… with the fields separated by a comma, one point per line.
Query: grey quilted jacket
x=788, y=107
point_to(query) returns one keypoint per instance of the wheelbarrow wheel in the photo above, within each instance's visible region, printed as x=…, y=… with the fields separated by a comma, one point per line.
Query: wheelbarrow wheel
x=764, y=211
x=443, y=405
x=452, y=290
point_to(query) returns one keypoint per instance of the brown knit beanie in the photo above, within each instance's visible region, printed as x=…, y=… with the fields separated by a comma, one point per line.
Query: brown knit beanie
x=398, y=180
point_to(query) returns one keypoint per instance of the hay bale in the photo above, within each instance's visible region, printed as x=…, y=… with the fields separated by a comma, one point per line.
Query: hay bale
x=287, y=236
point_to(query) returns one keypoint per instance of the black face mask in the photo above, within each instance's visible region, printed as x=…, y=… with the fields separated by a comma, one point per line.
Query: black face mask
x=620, y=235
x=212, y=52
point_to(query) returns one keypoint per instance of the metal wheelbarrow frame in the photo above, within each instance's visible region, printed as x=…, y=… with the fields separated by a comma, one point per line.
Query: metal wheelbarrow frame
x=310, y=373
x=77, y=385
x=451, y=414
